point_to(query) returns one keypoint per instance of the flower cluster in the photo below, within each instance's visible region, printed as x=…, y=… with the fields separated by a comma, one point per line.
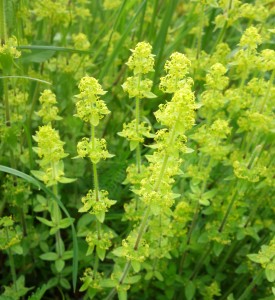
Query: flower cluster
x=9, y=236
x=48, y=111
x=50, y=151
x=9, y=48
x=142, y=60
x=101, y=241
x=89, y=107
x=94, y=206
x=130, y=251
x=94, y=149
x=176, y=68
x=131, y=134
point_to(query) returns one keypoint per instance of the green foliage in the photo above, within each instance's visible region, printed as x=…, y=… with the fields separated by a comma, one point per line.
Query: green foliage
x=149, y=125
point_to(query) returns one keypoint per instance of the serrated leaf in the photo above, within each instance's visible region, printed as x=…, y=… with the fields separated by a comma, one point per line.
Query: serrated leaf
x=50, y=256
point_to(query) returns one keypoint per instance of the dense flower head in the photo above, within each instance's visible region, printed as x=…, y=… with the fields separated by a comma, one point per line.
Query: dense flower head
x=220, y=129
x=94, y=206
x=142, y=60
x=81, y=41
x=137, y=88
x=267, y=60
x=50, y=147
x=176, y=68
x=48, y=111
x=250, y=38
x=180, y=110
x=102, y=244
x=131, y=133
x=91, y=85
x=215, y=78
x=132, y=254
x=89, y=107
x=94, y=150
x=178, y=65
x=9, y=48
x=56, y=11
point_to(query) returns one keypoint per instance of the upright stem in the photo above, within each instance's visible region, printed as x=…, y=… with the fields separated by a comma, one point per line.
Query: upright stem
x=137, y=112
x=12, y=265
x=3, y=30
x=268, y=90
x=200, y=32
x=228, y=211
x=57, y=216
x=246, y=292
x=97, y=195
x=147, y=215
x=6, y=101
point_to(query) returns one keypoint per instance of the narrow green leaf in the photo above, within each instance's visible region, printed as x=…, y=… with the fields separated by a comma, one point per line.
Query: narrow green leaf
x=136, y=265
x=51, y=256
x=45, y=221
x=108, y=283
x=59, y=264
x=189, y=290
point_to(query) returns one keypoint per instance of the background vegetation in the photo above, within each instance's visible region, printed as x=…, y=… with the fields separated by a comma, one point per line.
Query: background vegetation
x=215, y=238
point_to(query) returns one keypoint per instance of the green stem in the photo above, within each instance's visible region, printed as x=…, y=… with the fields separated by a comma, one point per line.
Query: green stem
x=146, y=216
x=239, y=282
x=6, y=101
x=267, y=91
x=200, y=262
x=193, y=224
x=200, y=32
x=138, y=154
x=57, y=216
x=246, y=292
x=3, y=30
x=12, y=265
x=221, y=228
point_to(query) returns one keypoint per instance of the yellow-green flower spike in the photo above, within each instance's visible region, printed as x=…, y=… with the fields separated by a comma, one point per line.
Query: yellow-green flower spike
x=142, y=60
